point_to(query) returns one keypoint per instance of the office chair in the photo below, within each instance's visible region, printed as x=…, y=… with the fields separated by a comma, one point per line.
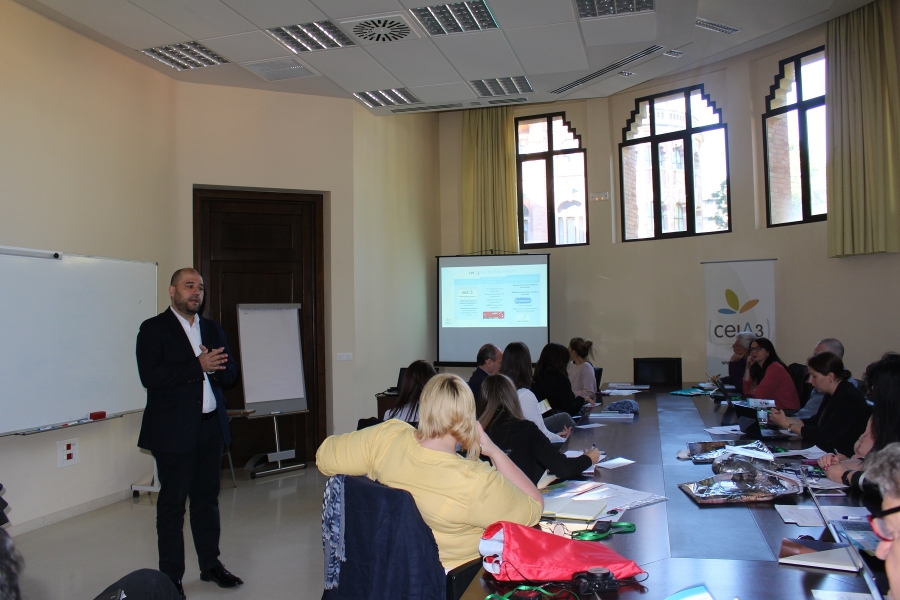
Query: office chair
x=390, y=552
x=598, y=375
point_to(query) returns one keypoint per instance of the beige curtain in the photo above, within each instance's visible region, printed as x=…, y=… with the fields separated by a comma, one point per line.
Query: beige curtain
x=863, y=133
x=489, y=181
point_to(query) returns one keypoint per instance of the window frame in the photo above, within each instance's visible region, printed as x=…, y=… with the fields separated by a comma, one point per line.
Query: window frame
x=547, y=156
x=801, y=106
x=687, y=165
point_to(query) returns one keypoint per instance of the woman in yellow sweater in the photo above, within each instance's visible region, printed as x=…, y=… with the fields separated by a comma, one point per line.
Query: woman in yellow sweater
x=457, y=497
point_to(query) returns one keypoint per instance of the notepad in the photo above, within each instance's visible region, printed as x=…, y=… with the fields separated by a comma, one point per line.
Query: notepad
x=572, y=508
x=615, y=463
x=820, y=555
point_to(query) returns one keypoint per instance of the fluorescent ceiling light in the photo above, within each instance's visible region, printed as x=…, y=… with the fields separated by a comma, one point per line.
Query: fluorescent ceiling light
x=391, y=97
x=189, y=55
x=503, y=86
x=460, y=17
x=309, y=37
x=589, y=9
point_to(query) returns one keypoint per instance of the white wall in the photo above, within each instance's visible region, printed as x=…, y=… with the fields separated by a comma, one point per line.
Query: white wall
x=99, y=155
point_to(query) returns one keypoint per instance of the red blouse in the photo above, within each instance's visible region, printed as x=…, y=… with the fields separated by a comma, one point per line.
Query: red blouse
x=776, y=385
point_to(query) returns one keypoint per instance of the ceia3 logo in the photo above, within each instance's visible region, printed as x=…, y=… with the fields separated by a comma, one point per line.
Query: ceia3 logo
x=735, y=304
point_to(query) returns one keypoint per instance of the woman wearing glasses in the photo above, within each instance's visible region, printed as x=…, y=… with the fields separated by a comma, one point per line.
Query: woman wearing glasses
x=843, y=414
x=885, y=473
x=766, y=376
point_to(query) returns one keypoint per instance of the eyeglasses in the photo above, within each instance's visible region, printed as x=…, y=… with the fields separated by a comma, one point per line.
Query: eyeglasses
x=755, y=348
x=879, y=527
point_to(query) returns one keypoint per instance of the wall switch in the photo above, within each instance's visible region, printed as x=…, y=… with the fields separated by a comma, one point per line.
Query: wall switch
x=345, y=356
x=598, y=196
x=67, y=453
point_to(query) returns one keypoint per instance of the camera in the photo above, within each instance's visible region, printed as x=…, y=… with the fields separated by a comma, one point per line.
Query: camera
x=595, y=580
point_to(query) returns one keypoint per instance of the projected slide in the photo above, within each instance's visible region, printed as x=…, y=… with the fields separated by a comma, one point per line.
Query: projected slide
x=502, y=296
x=491, y=300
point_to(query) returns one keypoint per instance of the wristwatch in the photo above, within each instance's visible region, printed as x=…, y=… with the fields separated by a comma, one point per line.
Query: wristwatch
x=790, y=427
x=845, y=477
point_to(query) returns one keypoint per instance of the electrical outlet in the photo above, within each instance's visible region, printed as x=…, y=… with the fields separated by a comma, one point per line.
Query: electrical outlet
x=345, y=356
x=67, y=453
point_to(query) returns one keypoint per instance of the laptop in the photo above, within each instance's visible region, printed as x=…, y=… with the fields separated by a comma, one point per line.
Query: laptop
x=748, y=422
x=395, y=391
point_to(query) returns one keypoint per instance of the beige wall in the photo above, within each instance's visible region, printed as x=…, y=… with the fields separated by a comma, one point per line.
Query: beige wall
x=99, y=155
x=644, y=299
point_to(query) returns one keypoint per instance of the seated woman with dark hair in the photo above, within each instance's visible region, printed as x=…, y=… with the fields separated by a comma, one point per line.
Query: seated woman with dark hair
x=766, y=376
x=551, y=380
x=521, y=440
x=580, y=370
x=517, y=366
x=457, y=497
x=844, y=412
x=407, y=408
x=883, y=388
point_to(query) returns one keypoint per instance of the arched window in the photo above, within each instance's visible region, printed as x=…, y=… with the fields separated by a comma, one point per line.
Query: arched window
x=552, y=186
x=794, y=139
x=662, y=130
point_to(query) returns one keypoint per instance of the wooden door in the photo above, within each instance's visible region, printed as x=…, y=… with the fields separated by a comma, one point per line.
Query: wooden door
x=266, y=247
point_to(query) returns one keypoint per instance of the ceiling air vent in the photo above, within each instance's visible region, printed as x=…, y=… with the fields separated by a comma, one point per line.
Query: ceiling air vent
x=280, y=69
x=309, y=37
x=189, y=55
x=421, y=108
x=391, y=97
x=378, y=29
x=502, y=86
x=607, y=69
x=718, y=27
x=507, y=100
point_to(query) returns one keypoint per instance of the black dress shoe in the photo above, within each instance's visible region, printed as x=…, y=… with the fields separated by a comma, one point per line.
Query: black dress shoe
x=222, y=576
x=179, y=588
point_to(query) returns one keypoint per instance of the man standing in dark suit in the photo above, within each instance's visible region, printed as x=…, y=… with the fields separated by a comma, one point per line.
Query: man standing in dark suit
x=183, y=361
x=488, y=360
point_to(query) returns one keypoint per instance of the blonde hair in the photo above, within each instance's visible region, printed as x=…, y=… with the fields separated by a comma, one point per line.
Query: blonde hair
x=447, y=406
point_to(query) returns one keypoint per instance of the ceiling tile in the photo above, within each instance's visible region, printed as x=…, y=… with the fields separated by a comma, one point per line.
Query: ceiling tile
x=352, y=69
x=549, y=48
x=415, y=62
x=619, y=30
x=480, y=55
x=445, y=92
x=245, y=47
x=120, y=21
x=513, y=14
x=342, y=9
x=198, y=18
x=277, y=13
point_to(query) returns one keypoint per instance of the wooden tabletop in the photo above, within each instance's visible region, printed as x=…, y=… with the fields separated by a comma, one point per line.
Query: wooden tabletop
x=732, y=549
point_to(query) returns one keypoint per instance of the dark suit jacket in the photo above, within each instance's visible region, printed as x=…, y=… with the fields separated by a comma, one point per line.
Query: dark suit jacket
x=475, y=381
x=174, y=381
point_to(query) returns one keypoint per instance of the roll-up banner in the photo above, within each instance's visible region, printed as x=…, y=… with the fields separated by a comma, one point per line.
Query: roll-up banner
x=740, y=296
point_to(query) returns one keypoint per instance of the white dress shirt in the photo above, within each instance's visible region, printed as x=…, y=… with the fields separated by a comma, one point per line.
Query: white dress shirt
x=531, y=411
x=193, y=334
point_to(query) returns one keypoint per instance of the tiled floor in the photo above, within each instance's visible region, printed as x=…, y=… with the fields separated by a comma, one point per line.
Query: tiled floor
x=271, y=538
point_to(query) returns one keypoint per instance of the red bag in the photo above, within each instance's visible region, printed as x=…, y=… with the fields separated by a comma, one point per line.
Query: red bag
x=514, y=552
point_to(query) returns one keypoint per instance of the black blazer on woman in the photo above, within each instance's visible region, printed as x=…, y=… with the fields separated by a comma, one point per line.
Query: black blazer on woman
x=531, y=451
x=556, y=389
x=840, y=421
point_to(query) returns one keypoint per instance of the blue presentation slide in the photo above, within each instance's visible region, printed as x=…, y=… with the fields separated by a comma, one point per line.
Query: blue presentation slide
x=485, y=296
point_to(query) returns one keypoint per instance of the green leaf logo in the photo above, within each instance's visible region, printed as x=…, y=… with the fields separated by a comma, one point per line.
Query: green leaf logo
x=732, y=299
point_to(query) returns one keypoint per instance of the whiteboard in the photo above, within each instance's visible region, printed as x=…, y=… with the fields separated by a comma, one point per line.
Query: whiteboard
x=271, y=358
x=68, y=328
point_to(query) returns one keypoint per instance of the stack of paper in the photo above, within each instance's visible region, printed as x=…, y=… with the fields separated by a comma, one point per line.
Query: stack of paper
x=627, y=386
x=612, y=415
x=804, y=516
x=821, y=555
x=724, y=430
x=812, y=453
x=615, y=463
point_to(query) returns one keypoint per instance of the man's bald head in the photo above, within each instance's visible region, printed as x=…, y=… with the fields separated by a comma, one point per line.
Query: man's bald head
x=178, y=275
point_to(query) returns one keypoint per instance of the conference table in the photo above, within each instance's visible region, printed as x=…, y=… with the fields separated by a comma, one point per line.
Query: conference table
x=731, y=549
